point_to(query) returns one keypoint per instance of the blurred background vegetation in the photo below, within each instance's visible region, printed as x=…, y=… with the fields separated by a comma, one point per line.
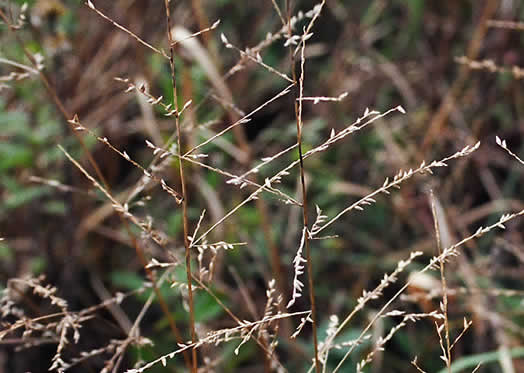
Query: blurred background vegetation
x=383, y=53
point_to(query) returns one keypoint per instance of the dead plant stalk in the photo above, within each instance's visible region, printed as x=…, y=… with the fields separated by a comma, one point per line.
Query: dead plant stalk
x=184, y=190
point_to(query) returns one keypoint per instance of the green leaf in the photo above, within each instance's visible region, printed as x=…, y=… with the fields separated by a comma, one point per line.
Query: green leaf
x=127, y=280
x=6, y=253
x=24, y=195
x=55, y=207
x=14, y=155
x=206, y=307
x=174, y=223
x=38, y=265
x=13, y=122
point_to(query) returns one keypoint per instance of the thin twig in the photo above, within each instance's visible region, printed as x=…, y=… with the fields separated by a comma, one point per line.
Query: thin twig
x=444, y=306
x=184, y=190
x=298, y=104
x=90, y=4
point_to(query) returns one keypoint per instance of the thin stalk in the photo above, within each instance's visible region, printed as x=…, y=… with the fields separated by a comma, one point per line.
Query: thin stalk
x=309, y=265
x=443, y=279
x=184, y=190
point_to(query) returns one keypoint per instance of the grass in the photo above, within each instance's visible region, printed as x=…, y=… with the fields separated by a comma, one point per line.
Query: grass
x=161, y=214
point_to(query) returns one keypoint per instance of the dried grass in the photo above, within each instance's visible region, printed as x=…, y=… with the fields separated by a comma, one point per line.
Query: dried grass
x=63, y=327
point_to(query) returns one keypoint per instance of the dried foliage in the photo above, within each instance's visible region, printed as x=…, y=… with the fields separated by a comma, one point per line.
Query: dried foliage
x=221, y=214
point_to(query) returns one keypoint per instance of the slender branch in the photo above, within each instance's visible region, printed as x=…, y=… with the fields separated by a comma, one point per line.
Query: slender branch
x=298, y=114
x=184, y=190
x=444, y=305
x=90, y=4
